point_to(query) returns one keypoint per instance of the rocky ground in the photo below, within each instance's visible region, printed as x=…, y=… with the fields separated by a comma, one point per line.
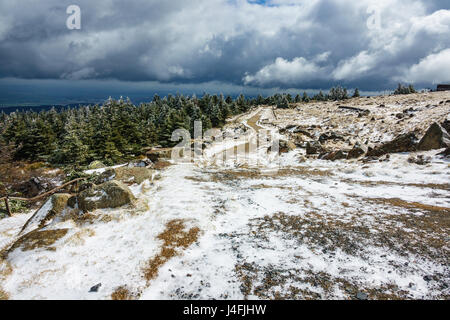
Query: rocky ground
x=357, y=206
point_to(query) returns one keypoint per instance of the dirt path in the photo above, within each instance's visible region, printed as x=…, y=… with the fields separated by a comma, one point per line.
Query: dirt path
x=241, y=151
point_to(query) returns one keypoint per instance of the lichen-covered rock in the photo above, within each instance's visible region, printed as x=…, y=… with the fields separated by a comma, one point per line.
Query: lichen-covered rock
x=132, y=174
x=159, y=153
x=436, y=137
x=403, y=143
x=111, y=194
x=96, y=165
x=128, y=175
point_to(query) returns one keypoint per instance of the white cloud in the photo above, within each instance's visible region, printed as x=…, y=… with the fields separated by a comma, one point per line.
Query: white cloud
x=235, y=41
x=355, y=67
x=286, y=72
x=435, y=68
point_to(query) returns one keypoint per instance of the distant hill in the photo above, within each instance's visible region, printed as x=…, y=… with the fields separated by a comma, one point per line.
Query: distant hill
x=10, y=109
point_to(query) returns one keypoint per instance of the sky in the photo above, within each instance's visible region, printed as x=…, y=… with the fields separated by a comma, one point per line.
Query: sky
x=142, y=47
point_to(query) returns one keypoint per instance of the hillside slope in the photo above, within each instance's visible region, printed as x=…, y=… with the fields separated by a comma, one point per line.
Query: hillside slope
x=297, y=227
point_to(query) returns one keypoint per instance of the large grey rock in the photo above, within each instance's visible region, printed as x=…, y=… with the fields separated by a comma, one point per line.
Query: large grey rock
x=111, y=194
x=436, y=137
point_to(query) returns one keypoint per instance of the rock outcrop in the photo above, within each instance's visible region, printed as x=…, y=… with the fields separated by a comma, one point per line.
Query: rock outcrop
x=357, y=151
x=403, y=143
x=314, y=148
x=335, y=155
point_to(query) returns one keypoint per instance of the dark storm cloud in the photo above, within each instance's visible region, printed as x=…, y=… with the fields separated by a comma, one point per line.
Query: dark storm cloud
x=279, y=43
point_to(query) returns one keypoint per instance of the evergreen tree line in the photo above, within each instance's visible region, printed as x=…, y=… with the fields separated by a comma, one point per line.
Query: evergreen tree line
x=119, y=130
x=114, y=131
x=401, y=89
x=335, y=94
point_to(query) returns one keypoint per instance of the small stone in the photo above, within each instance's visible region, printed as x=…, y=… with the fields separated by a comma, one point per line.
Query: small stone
x=361, y=295
x=95, y=288
x=427, y=278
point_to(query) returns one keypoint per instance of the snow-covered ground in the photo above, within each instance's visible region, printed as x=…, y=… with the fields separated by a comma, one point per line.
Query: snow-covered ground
x=313, y=229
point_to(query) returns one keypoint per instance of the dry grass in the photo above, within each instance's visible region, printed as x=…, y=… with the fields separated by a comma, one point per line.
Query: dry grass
x=78, y=239
x=396, y=202
x=5, y=271
x=3, y=295
x=161, y=165
x=39, y=239
x=266, y=186
x=122, y=293
x=230, y=175
x=174, y=237
x=436, y=186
